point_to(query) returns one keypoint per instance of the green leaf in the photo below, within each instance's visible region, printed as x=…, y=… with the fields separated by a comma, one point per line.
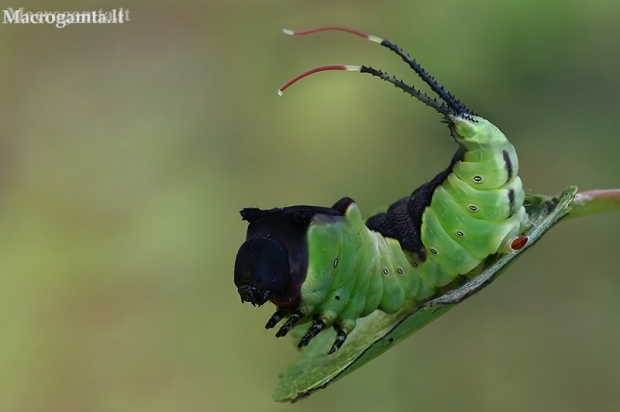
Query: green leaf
x=377, y=332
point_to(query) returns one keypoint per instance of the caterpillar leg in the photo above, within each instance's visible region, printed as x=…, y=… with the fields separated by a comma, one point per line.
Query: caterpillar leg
x=312, y=332
x=341, y=336
x=275, y=318
x=290, y=322
x=316, y=328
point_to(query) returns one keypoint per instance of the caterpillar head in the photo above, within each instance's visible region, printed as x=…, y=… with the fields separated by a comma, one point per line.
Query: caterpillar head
x=261, y=270
x=272, y=263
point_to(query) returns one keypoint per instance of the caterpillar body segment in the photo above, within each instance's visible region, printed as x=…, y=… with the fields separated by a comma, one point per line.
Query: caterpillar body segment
x=330, y=267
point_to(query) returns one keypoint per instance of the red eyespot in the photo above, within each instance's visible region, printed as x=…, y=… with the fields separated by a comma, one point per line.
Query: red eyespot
x=519, y=243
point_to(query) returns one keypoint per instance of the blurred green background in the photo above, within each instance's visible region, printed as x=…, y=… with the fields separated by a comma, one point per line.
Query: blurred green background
x=126, y=152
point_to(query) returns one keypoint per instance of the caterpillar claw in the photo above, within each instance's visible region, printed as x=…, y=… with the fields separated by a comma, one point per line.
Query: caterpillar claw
x=290, y=322
x=341, y=336
x=312, y=332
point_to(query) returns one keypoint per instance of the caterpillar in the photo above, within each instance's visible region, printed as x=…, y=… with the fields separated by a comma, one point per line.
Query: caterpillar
x=330, y=267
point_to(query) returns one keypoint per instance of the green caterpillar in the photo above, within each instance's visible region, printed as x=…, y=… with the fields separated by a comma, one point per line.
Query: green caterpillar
x=328, y=266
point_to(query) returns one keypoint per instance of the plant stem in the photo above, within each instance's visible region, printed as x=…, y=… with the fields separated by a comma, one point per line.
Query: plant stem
x=595, y=201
